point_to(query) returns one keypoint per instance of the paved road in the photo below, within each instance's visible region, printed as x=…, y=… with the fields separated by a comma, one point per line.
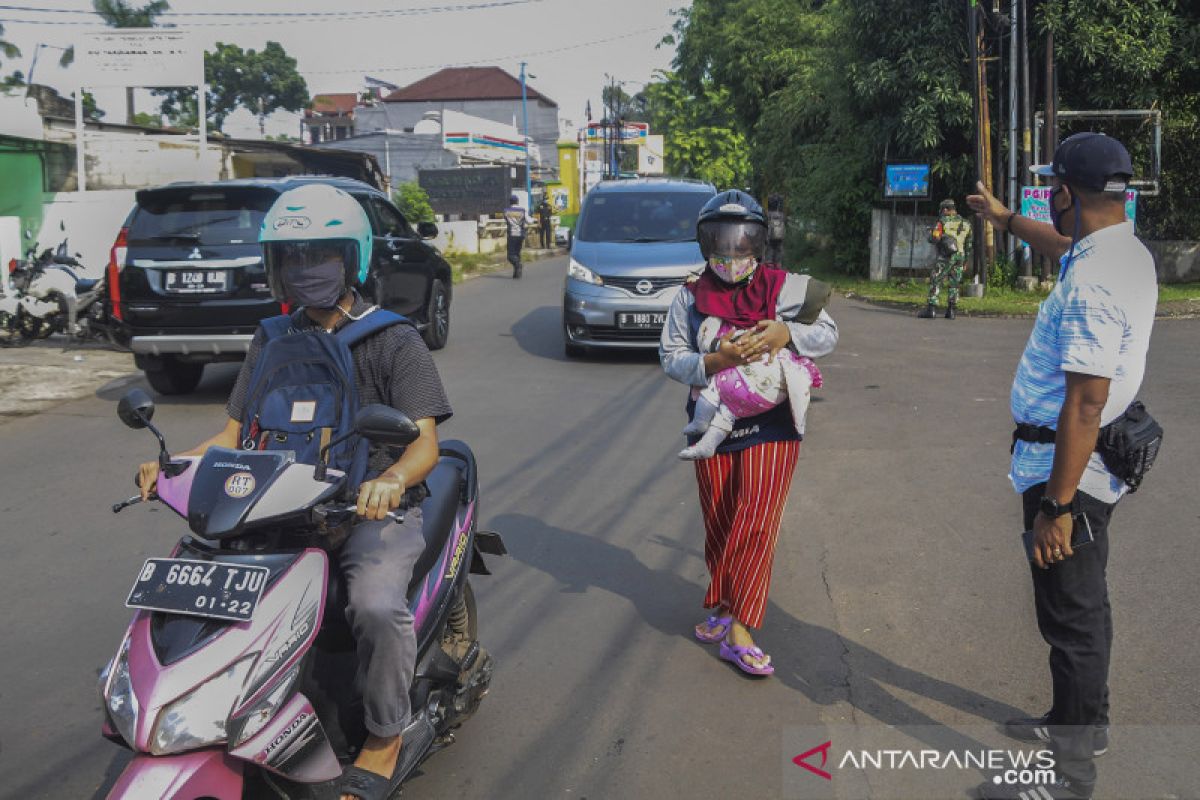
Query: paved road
x=900, y=594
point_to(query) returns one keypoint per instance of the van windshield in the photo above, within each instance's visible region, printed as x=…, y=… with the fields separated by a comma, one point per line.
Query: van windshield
x=641, y=217
x=200, y=216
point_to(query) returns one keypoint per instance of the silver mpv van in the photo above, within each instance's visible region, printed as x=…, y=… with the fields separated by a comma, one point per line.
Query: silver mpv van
x=634, y=247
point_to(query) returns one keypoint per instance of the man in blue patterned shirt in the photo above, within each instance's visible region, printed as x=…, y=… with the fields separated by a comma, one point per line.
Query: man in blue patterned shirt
x=1081, y=368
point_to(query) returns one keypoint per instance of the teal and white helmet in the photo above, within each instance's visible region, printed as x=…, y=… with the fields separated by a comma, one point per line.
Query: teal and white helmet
x=312, y=224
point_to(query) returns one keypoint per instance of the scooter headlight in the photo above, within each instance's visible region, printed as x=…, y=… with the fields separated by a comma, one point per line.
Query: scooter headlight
x=581, y=273
x=119, y=698
x=199, y=718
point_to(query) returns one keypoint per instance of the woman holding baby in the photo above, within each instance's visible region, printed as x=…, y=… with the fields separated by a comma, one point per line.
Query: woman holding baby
x=741, y=335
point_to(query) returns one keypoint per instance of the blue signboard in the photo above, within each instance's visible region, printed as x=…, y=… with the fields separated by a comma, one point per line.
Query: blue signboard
x=906, y=181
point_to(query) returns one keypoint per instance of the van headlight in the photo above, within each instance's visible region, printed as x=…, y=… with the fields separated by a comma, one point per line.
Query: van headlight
x=198, y=719
x=581, y=273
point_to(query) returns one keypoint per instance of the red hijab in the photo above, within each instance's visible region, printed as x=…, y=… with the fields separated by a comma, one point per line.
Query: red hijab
x=742, y=304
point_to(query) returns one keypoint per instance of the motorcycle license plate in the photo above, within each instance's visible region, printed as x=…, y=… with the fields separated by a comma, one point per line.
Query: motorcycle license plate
x=197, y=281
x=200, y=588
x=641, y=320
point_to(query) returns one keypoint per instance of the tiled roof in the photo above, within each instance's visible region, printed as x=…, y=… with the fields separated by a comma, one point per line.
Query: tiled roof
x=466, y=83
x=343, y=103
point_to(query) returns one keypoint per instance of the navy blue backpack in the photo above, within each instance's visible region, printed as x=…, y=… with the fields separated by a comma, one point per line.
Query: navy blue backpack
x=302, y=393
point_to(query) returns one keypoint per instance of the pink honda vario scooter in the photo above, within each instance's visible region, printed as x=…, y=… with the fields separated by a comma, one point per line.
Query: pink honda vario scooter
x=236, y=676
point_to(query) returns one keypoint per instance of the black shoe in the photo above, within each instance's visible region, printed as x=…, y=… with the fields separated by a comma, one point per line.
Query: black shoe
x=516, y=273
x=950, y=311
x=927, y=312
x=1059, y=789
x=1037, y=729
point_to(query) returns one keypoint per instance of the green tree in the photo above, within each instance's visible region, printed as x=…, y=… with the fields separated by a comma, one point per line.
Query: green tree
x=10, y=50
x=701, y=138
x=413, y=202
x=261, y=82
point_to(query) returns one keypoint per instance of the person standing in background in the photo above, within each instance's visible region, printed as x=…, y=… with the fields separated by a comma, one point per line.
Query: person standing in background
x=517, y=220
x=776, y=230
x=950, y=237
x=544, y=216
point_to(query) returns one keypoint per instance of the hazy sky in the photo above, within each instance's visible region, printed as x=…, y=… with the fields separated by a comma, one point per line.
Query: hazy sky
x=570, y=45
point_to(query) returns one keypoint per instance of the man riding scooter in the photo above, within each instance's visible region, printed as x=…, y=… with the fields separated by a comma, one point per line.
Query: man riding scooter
x=316, y=244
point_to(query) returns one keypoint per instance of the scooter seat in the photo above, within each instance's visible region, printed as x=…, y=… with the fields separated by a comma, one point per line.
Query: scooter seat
x=84, y=285
x=445, y=492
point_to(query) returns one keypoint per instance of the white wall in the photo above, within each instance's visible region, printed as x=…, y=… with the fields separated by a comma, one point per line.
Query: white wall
x=89, y=221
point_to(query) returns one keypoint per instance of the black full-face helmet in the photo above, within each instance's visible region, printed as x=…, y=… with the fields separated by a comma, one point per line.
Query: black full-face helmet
x=732, y=233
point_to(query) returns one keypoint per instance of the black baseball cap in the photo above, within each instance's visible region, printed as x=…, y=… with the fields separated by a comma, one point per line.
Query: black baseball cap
x=1091, y=161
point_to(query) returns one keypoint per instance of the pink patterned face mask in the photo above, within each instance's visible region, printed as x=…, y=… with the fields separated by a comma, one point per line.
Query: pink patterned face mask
x=733, y=269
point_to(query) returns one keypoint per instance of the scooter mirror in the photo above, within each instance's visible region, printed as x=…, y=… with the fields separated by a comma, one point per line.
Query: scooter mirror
x=136, y=408
x=385, y=425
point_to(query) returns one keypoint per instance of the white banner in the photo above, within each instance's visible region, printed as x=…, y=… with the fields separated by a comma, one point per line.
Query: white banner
x=139, y=57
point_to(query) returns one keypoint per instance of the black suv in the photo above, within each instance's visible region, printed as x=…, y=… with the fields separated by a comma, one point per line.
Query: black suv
x=186, y=280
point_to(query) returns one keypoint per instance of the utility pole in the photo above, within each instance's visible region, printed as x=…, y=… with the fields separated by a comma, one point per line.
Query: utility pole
x=1014, y=73
x=1026, y=136
x=1051, y=119
x=525, y=133
x=980, y=166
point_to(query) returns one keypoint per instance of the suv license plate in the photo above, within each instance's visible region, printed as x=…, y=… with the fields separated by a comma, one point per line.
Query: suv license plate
x=198, y=281
x=647, y=320
x=201, y=588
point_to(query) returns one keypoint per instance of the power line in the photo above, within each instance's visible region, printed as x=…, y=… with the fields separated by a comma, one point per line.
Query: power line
x=492, y=60
x=281, y=16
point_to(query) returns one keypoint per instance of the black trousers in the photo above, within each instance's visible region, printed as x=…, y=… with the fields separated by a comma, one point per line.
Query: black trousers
x=1075, y=619
x=514, y=251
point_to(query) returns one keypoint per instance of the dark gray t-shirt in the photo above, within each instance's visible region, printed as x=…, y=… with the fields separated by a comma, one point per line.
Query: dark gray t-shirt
x=393, y=367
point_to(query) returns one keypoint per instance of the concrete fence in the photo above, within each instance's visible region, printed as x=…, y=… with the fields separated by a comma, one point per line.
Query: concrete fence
x=1176, y=262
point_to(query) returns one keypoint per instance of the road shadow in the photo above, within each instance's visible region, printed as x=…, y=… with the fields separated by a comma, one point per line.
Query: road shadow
x=822, y=665
x=539, y=333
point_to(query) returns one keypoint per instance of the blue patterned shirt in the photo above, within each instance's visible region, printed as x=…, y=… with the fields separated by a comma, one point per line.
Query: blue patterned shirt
x=1097, y=321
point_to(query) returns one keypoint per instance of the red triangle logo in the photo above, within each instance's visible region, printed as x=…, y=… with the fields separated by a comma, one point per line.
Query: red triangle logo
x=802, y=760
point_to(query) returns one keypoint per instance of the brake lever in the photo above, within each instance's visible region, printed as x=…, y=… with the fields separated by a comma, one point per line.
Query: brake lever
x=133, y=501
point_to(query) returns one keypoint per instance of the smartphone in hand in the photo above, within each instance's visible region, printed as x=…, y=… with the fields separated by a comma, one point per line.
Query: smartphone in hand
x=1081, y=534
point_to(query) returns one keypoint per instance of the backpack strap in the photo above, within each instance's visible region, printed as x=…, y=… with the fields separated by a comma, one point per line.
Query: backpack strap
x=274, y=327
x=369, y=324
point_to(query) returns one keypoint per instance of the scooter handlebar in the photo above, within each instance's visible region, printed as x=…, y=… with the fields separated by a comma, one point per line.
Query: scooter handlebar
x=351, y=508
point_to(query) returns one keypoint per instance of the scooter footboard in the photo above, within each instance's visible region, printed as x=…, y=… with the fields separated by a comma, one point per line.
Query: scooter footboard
x=200, y=773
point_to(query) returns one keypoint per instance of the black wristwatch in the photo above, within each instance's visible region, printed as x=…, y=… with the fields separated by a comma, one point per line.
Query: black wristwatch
x=1052, y=508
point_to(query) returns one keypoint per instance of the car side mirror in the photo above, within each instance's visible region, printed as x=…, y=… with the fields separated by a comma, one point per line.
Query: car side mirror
x=382, y=424
x=136, y=408
x=427, y=230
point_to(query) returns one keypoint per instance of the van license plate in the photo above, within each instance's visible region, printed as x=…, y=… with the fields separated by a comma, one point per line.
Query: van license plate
x=197, y=281
x=200, y=588
x=646, y=320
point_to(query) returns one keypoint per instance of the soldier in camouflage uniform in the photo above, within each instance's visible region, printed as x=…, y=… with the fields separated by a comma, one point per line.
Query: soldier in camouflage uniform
x=951, y=237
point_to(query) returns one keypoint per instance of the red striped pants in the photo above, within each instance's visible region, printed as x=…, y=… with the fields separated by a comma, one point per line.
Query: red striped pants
x=742, y=497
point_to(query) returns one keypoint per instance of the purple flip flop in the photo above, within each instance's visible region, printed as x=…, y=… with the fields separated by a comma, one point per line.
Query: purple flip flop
x=712, y=622
x=734, y=653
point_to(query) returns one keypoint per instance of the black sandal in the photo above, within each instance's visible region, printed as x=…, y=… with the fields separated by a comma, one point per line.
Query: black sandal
x=364, y=784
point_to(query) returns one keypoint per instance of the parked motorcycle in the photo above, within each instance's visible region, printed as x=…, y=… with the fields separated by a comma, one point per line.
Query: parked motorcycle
x=46, y=295
x=236, y=674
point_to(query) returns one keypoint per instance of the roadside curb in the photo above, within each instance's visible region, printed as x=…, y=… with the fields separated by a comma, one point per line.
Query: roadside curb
x=1160, y=313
